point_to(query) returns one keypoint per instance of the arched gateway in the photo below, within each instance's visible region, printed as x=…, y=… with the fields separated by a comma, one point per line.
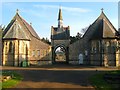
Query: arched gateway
x=60, y=41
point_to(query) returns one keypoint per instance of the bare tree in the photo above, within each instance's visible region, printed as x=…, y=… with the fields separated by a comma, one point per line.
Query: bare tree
x=84, y=29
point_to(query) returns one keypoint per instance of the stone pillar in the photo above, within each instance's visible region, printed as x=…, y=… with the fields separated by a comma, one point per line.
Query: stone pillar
x=101, y=53
x=67, y=55
x=117, y=58
x=53, y=55
x=18, y=53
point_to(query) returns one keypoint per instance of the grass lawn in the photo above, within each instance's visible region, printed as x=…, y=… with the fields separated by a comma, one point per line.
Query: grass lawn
x=16, y=78
x=100, y=84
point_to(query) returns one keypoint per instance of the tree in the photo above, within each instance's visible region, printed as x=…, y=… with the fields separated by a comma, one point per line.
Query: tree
x=78, y=36
x=84, y=29
x=46, y=40
x=2, y=27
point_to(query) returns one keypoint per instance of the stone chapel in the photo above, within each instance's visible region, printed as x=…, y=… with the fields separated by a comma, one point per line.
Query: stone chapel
x=99, y=46
x=22, y=44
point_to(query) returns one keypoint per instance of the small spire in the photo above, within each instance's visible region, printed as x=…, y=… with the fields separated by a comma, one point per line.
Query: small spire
x=60, y=14
x=17, y=11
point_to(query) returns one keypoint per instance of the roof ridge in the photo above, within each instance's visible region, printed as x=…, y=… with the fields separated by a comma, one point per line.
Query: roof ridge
x=101, y=17
x=102, y=13
x=25, y=22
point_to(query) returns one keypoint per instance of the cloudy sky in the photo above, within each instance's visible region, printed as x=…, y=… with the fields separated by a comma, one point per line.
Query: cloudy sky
x=43, y=15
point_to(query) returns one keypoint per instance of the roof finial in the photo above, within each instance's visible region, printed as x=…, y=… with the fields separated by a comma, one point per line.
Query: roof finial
x=17, y=10
x=102, y=9
x=30, y=23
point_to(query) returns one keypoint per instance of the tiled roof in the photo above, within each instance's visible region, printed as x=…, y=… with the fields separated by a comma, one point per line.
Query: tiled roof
x=15, y=33
x=101, y=28
x=30, y=28
x=10, y=32
x=60, y=33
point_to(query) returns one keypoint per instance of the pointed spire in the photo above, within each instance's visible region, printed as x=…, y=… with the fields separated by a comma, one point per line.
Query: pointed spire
x=60, y=14
x=60, y=19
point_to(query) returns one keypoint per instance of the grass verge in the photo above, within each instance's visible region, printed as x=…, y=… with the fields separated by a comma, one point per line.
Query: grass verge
x=100, y=84
x=16, y=78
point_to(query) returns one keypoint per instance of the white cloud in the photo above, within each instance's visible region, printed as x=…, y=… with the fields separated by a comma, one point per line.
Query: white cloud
x=68, y=9
x=80, y=10
x=45, y=6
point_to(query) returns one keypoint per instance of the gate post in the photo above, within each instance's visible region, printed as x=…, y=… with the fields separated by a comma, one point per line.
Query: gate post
x=67, y=55
x=53, y=57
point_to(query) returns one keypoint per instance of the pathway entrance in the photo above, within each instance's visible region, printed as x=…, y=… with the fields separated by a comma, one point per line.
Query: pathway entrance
x=60, y=40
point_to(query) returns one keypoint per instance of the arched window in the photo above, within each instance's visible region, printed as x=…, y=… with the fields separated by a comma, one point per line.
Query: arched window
x=33, y=53
x=6, y=51
x=10, y=47
x=38, y=52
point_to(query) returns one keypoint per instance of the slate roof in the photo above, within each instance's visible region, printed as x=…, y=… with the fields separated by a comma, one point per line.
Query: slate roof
x=101, y=28
x=31, y=30
x=10, y=31
x=13, y=33
x=60, y=33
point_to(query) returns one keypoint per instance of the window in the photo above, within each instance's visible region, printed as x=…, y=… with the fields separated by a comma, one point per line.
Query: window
x=94, y=47
x=38, y=52
x=5, y=47
x=33, y=53
x=10, y=47
x=46, y=52
x=86, y=52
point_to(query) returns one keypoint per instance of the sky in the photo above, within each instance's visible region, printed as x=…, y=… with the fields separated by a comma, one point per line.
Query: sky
x=43, y=15
x=119, y=14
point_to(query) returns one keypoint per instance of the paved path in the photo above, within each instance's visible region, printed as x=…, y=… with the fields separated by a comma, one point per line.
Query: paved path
x=56, y=76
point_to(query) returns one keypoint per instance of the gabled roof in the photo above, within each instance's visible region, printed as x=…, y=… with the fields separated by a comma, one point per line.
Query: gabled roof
x=101, y=28
x=16, y=33
x=60, y=33
x=10, y=32
x=31, y=30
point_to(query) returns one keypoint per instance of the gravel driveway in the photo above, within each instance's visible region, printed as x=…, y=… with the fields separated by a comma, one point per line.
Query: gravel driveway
x=56, y=77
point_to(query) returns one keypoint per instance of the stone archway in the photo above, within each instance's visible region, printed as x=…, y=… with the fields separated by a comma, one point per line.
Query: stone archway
x=60, y=54
x=60, y=37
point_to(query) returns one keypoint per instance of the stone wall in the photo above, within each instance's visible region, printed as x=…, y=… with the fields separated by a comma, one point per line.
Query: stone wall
x=0, y=46
x=39, y=51
x=74, y=50
x=15, y=51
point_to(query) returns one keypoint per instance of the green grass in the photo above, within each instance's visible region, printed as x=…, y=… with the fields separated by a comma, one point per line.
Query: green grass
x=100, y=84
x=12, y=82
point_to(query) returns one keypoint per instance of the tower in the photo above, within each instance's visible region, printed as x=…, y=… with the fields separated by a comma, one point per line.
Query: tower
x=60, y=38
